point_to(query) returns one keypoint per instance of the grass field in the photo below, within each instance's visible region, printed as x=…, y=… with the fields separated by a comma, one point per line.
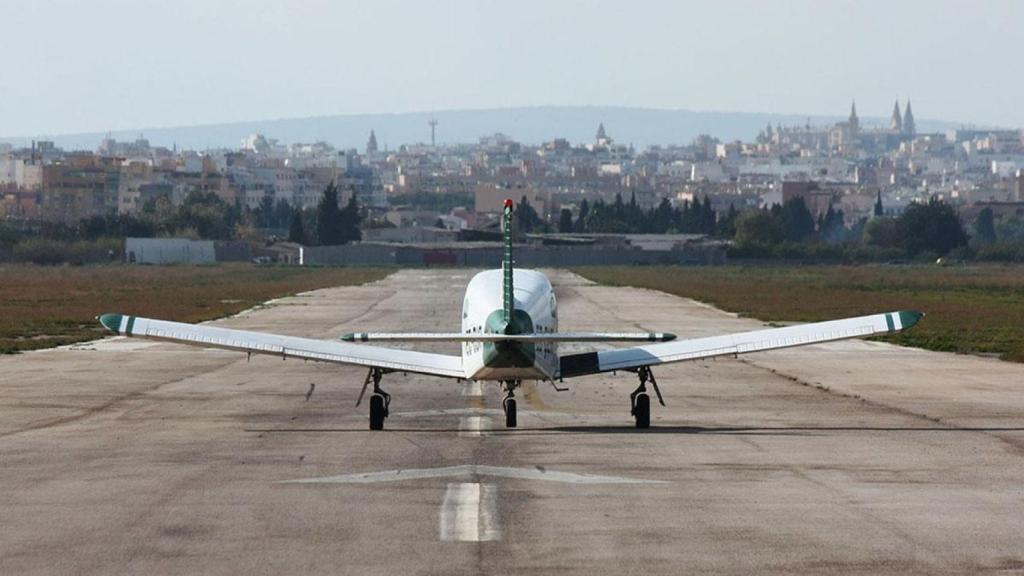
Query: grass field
x=45, y=306
x=973, y=309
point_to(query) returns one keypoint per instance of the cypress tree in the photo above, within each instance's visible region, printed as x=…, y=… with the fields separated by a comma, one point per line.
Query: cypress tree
x=296, y=232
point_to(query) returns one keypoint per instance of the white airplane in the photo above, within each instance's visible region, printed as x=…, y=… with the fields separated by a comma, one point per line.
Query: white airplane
x=510, y=334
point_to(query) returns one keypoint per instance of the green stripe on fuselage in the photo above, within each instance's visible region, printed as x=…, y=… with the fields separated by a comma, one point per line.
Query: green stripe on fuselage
x=889, y=323
x=131, y=324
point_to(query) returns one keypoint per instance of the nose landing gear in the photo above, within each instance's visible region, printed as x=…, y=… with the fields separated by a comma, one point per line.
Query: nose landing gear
x=640, y=401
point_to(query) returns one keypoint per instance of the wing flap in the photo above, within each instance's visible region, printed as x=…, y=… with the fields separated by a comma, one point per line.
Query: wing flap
x=741, y=343
x=285, y=346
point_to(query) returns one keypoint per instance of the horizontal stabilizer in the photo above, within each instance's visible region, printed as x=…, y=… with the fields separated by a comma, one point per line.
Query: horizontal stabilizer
x=492, y=337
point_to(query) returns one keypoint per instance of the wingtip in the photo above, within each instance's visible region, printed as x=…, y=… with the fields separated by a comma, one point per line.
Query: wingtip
x=668, y=337
x=350, y=337
x=111, y=322
x=908, y=318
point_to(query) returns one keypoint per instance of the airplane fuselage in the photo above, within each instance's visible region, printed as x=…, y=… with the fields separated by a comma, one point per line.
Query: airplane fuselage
x=535, y=311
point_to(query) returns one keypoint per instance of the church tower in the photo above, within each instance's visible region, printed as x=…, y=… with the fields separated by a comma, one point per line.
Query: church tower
x=854, y=122
x=371, y=144
x=909, y=128
x=600, y=133
x=896, y=122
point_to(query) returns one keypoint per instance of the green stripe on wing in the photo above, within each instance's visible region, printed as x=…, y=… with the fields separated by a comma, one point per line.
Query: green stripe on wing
x=111, y=322
x=908, y=318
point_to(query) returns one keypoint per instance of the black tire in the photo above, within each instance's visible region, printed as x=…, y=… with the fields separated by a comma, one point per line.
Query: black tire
x=642, y=411
x=376, y=412
x=510, y=413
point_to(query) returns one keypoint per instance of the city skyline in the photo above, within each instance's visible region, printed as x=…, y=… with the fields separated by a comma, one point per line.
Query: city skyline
x=642, y=127
x=212, y=63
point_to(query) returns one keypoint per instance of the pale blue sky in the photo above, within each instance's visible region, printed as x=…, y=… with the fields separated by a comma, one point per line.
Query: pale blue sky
x=93, y=65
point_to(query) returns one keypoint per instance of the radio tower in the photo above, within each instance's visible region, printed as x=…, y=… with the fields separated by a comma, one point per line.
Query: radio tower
x=433, y=131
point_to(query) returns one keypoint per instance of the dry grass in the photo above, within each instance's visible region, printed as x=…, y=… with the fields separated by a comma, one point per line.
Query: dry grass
x=45, y=306
x=972, y=309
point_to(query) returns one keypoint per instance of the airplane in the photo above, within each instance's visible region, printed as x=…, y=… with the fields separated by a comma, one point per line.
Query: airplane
x=509, y=334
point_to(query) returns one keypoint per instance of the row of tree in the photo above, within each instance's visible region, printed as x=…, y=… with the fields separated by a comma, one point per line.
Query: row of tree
x=620, y=217
x=204, y=215
x=922, y=229
x=932, y=228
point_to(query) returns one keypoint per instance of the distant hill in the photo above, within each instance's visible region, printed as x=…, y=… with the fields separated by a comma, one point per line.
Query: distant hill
x=638, y=126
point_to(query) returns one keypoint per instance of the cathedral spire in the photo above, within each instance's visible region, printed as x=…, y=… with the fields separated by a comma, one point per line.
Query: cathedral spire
x=854, y=121
x=896, y=122
x=909, y=127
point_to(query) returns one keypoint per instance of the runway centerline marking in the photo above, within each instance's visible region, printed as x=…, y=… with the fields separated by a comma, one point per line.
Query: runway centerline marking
x=469, y=513
x=535, y=473
x=473, y=389
x=473, y=426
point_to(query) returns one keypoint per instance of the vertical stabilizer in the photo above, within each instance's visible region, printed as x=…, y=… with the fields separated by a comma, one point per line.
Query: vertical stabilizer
x=507, y=294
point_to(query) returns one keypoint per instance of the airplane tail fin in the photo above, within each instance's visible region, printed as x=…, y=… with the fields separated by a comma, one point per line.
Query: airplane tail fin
x=507, y=293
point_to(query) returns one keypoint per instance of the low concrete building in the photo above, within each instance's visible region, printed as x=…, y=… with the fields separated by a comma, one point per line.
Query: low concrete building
x=169, y=251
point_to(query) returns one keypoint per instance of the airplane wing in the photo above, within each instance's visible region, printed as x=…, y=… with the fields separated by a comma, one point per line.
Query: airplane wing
x=731, y=344
x=285, y=346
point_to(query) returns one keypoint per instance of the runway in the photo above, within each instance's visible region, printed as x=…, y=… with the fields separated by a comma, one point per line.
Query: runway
x=132, y=457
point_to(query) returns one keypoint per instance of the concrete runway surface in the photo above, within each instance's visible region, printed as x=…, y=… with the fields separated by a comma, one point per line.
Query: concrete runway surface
x=131, y=457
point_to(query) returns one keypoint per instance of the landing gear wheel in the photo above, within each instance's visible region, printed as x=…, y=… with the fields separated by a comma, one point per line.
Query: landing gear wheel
x=378, y=411
x=509, y=402
x=510, y=413
x=642, y=410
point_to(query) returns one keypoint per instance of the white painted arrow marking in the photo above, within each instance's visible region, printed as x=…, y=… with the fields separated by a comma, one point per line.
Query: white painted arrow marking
x=469, y=513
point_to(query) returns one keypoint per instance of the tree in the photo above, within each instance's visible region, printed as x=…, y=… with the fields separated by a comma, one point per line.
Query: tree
x=933, y=227
x=832, y=229
x=707, y=217
x=883, y=232
x=634, y=215
x=727, y=226
x=351, y=218
x=581, y=219
x=329, y=223
x=618, y=209
x=565, y=221
x=1010, y=229
x=527, y=220
x=797, y=221
x=282, y=214
x=265, y=211
x=208, y=215
x=690, y=217
x=296, y=231
x=662, y=217
x=985, y=227
x=758, y=229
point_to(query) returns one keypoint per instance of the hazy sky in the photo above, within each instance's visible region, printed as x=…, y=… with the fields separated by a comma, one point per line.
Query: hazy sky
x=93, y=65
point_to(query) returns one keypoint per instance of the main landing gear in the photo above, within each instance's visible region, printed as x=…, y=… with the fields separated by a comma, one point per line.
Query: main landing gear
x=380, y=400
x=509, y=403
x=640, y=401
